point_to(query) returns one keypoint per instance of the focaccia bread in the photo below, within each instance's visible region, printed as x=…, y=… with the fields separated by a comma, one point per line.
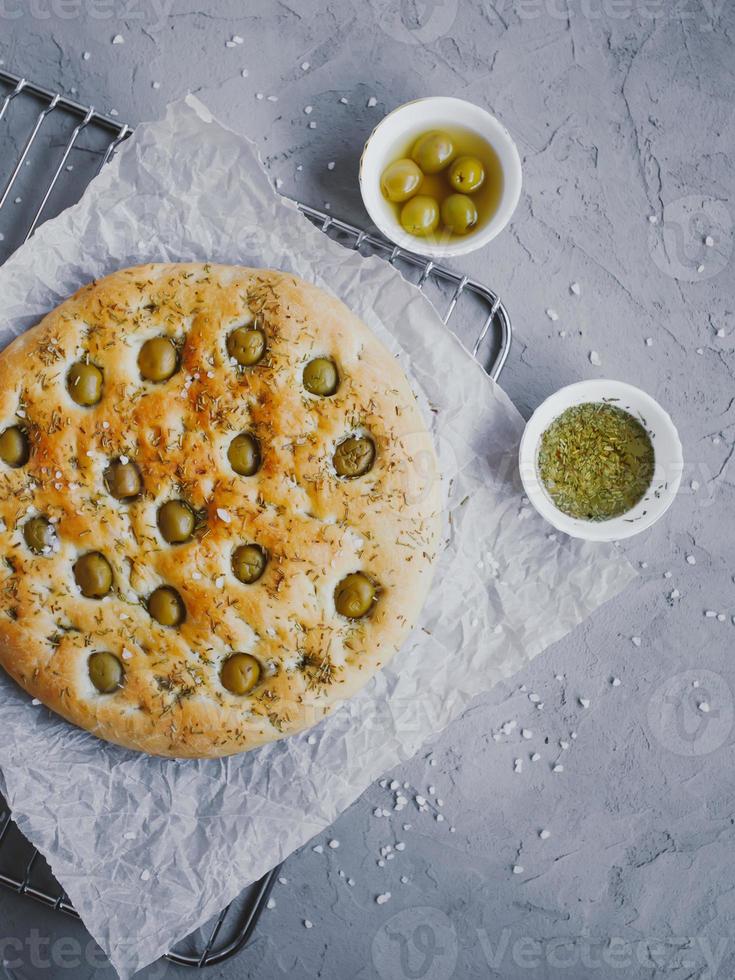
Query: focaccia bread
x=219, y=508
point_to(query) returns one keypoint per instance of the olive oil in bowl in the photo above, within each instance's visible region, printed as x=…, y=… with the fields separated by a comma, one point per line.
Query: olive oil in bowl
x=441, y=199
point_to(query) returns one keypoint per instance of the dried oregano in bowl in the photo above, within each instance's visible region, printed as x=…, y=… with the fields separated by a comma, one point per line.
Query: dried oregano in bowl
x=596, y=461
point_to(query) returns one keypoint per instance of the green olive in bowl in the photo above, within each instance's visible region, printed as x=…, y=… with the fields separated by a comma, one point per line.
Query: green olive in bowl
x=401, y=180
x=433, y=151
x=459, y=213
x=420, y=216
x=466, y=174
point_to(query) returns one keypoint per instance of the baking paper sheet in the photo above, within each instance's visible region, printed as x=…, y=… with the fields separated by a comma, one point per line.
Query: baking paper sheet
x=146, y=848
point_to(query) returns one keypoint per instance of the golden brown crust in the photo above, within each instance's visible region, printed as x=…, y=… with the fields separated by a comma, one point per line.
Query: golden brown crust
x=315, y=527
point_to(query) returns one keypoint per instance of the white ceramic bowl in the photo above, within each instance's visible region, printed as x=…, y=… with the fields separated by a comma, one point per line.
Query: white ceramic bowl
x=408, y=122
x=668, y=458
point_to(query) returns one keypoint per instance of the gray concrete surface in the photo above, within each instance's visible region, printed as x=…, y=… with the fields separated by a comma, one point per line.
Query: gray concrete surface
x=622, y=110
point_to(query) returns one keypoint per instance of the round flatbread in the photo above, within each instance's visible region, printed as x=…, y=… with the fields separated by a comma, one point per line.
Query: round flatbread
x=219, y=508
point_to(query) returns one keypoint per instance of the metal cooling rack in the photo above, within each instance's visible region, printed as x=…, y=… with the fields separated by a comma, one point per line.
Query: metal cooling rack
x=55, y=130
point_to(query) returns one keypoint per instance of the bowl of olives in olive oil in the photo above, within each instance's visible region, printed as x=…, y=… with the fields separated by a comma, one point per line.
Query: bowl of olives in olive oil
x=440, y=176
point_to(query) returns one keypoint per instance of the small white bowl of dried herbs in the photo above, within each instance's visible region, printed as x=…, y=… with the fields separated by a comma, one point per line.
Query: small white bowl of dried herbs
x=601, y=460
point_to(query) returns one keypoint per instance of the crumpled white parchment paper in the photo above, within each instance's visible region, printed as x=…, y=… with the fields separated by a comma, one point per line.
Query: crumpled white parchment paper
x=148, y=848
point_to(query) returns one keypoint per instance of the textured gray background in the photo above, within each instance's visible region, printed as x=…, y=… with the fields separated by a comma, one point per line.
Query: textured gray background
x=622, y=110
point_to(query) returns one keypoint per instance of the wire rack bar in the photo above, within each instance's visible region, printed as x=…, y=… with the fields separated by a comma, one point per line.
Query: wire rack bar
x=232, y=928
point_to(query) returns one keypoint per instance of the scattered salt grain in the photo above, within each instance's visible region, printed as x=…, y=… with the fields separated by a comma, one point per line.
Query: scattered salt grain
x=258, y=95
x=282, y=880
x=156, y=85
x=126, y=654
x=351, y=882
x=552, y=314
x=649, y=341
x=308, y=924
x=595, y=358
x=312, y=125
x=635, y=640
x=223, y=515
x=35, y=702
x=344, y=101
x=271, y=903
x=220, y=582
x=237, y=39
x=703, y=707
x=558, y=768
x=517, y=765
x=145, y=874
x=544, y=834
x=584, y=702
x=372, y=102
x=118, y=39
x=709, y=241
x=710, y=613
x=334, y=844
x=691, y=560
x=652, y=219
x=330, y=165
x=720, y=332
x=574, y=289
x=667, y=574
x=440, y=818
x=526, y=733
x=311, y=740
x=382, y=899
x=401, y=846
x=394, y=785
x=721, y=617
x=318, y=849
x=517, y=869
x=535, y=757
x=129, y=835
x=86, y=56
x=305, y=66
x=615, y=682
x=273, y=98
